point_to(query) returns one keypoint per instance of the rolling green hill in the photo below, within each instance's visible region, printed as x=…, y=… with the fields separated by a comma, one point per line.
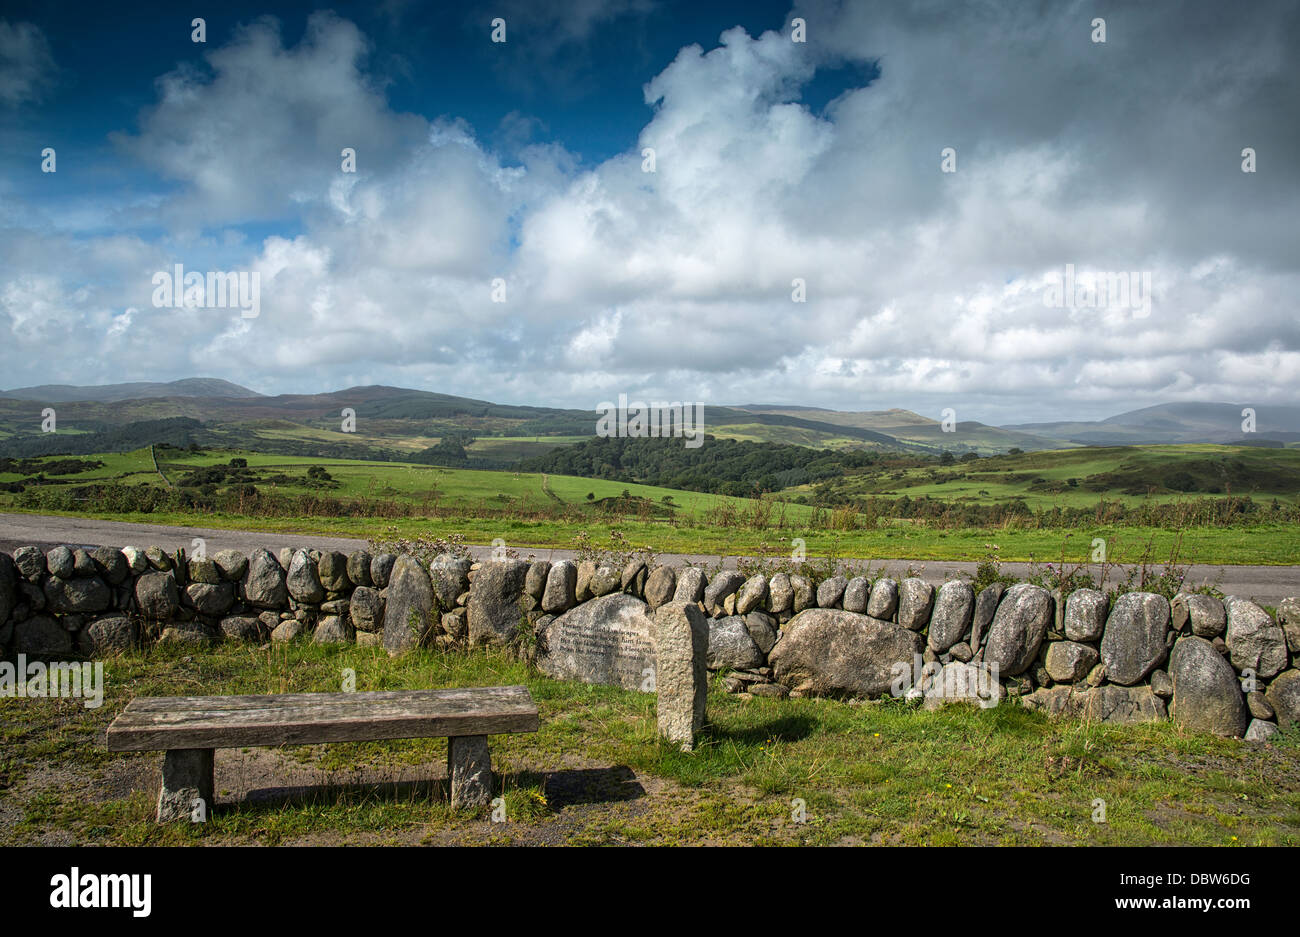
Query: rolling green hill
x=400, y=424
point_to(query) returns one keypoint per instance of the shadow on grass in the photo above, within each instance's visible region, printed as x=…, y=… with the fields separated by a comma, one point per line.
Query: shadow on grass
x=382, y=791
x=561, y=789
x=788, y=728
x=586, y=786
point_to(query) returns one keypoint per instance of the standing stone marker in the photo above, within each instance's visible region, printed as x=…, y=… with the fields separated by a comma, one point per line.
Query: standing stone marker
x=681, y=639
x=606, y=640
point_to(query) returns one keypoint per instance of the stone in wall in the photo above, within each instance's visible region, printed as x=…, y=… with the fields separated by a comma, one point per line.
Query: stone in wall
x=1284, y=697
x=241, y=628
x=730, y=645
x=111, y=565
x=333, y=572
x=723, y=584
x=1254, y=641
x=381, y=568
x=263, y=583
x=763, y=631
x=831, y=652
x=950, y=620
x=41, y=636
x=156, y=596
x=333, y=630
x=1288, y=619
x=109, y=635
x=494, y=606
x=1204, y=613
x=804, y=596
x=59, y=561
x=660, y=586
x=450, y=578
x=1085, y=615
x=857, y=592
x=915, y=602
x=1070, y=661
x=1207, y=696
x=1133, y=643
x=632, y=579
x=1018, y=628
x=77, y=596
x=359, y=568
x=883, y=603
x=408, y=612
x=231, y=564
x=303, y=579
x=366, y=609
x=690, y=585
x=830, y=592
x=31, y=563
x=958, y=682
x=752, y=595
x=604, y=641
x=986, y=606
x=535, y=582
x=208, y=598
x=560, y=594
x=1111, y=704
x=780, y=595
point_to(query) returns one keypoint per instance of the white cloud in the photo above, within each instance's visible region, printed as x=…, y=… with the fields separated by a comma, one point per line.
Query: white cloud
x=924, y=288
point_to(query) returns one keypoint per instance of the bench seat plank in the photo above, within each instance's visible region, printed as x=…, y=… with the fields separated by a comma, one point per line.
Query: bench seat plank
x=162, y=723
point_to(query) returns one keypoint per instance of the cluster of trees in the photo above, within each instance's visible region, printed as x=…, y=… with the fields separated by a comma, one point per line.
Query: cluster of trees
x=450, y=451
x=179, y=431
x=237, y=476
x=47, y=467
x=720, y=466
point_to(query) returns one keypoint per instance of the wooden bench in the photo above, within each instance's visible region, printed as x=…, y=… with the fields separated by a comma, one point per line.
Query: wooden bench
x=190, y=728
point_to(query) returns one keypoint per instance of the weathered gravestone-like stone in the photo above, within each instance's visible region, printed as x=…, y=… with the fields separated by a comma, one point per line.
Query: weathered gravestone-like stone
x=681, y=640
x=606, y=640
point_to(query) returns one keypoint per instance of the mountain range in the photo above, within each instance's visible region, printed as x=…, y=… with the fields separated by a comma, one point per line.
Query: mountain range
x=394, y=423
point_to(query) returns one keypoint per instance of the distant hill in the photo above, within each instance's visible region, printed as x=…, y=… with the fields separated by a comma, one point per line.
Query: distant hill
x=139, y=390
x=398, y=423
x=1190, y=422
x=910, y=430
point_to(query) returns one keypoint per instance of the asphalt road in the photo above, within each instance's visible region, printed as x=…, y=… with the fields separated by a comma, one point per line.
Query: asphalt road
x=1267, y=585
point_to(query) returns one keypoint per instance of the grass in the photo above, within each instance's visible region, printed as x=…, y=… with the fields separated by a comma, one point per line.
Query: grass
x=536, y=511
x=595, y=772
x=1261, y=545
x=1128, y=474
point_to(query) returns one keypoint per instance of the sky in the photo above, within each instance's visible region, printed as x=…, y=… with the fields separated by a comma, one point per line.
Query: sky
x=884, y=214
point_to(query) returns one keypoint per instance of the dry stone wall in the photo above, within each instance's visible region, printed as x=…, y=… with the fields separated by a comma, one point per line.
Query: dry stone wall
x=1223, y=666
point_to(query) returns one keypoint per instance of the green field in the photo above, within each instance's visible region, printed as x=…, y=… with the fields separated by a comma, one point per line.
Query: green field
x=883, y=772
x=537, y=511
x=1129, y=474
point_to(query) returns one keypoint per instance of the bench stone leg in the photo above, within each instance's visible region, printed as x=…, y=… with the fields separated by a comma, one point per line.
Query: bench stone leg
x=187, y=780
x=469, y=766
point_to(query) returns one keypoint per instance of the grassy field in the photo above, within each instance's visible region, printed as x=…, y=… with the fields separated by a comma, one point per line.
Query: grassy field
x=596, y=774
x=1129, y=474
x=538, y=511
x=1236, y=546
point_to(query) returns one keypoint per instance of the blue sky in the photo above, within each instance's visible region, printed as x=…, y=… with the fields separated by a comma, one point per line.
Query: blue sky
x=777, y=161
